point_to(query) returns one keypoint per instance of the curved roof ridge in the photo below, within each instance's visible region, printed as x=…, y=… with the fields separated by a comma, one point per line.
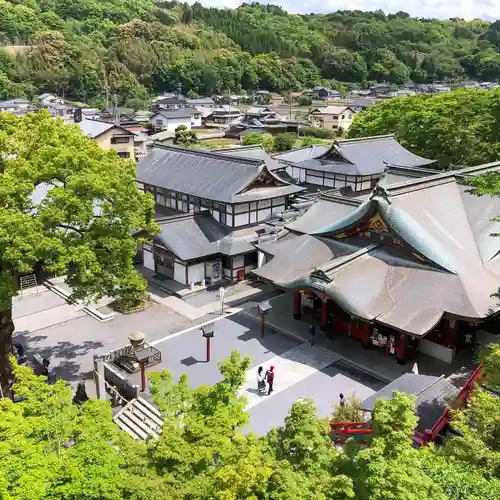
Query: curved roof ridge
x=368, y=138
x=212, y=154
x=360, y=212
x=413, y=233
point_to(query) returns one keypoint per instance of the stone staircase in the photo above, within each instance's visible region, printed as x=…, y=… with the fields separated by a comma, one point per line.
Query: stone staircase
x=139, y=419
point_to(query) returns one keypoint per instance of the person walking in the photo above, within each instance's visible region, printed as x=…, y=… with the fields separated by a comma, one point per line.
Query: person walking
x=312, y=333
x=261, y=383
x=270, y=380
x=342, y=400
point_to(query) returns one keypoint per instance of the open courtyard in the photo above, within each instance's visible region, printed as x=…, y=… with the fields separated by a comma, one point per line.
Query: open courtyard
x=301, y=370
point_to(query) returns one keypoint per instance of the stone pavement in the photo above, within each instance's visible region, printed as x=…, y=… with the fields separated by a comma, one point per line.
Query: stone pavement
x=373, y=361
x=206, y=303
x=292, y=366
x=40, y=310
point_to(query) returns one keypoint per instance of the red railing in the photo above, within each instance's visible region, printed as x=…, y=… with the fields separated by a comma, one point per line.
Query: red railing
x=349, y=429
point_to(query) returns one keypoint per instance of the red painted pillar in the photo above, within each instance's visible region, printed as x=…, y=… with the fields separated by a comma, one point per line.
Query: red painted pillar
x=208, y=349
x=324, y=314
x=297, y=308
x=367, y=335
x=402, y=351
x=143, y=377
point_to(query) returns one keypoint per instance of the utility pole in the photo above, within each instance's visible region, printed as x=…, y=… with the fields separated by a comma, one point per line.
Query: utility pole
x=179, y=89
x=290, y=106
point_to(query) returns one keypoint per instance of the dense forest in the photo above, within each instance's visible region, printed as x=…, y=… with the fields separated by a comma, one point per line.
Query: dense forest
x=87, y=48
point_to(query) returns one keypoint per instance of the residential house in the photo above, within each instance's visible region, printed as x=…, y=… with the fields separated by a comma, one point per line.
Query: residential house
x=110, y=136
x=439, y=89
x=223, y=199
x=264, y=115
x=225, y=115
x=63, y=111
x=169, y=104
x=353, y=164
x=201, y=103
x=323, y=93
x=361, y=104
x=46, y=100
x=332, y=117
x=15, y=105
x=171, y=119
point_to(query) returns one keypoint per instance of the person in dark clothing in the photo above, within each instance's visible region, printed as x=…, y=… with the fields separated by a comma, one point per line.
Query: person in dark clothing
x=312, y=333
x=270, y=380
x=342, y=400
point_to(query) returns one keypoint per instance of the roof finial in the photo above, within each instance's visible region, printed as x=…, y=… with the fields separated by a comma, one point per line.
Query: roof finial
x=380, y=192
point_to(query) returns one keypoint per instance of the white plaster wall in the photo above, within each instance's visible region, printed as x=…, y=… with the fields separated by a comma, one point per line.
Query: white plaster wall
x=196, y=272
x=180, y=273
x=229, y=220
x=436, y=351
x=149, y=262
x=173, y=123
x=241, y=219
x=264, y=214
x=196, y=122
x=253, y=217
x=279, y=209
x=238, y=261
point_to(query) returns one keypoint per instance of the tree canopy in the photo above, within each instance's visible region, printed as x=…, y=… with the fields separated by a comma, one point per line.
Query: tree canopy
x=132, y=47
x=53, y=449
x=460, y=128
x=70, y=208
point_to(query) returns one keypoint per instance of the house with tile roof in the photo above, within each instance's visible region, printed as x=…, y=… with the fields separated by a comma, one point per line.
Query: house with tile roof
x=110, y=136
x=411, y=269
x=338, y=118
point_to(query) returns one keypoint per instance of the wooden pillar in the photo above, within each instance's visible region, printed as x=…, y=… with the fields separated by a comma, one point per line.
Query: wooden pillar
x=448, y=329
x=402, y=350
x=297, y=306
x=367, y=335
x=324, y=314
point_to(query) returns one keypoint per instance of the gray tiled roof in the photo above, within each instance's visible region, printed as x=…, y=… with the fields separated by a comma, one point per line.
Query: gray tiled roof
x=252, y=152
x=320, y=214
x=94, y=128
x=432, y=394
x=218, y=177
x=175, y=113
x=298, y=155
x=192, y=236
x=364, y=156
x=449, y=263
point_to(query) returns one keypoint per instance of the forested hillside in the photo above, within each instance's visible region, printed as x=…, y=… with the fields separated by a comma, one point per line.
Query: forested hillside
x=133, y=47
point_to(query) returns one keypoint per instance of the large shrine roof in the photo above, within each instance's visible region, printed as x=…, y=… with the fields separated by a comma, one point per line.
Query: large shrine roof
x=427, y=251
x=219, y=177
x=361, y=157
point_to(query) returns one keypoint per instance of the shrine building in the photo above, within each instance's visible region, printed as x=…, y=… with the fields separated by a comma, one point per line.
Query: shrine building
x=409, y=268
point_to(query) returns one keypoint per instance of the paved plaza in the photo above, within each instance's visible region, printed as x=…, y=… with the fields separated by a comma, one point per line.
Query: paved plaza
x=71, y=341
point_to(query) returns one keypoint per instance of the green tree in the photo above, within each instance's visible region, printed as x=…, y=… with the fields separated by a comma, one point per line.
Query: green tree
x=391, y=466
x=284, y=142
x=50, y=448
x=350, y=411
x=456, y=129
x=185, y=137
x=52, y=182
x=304, y=100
